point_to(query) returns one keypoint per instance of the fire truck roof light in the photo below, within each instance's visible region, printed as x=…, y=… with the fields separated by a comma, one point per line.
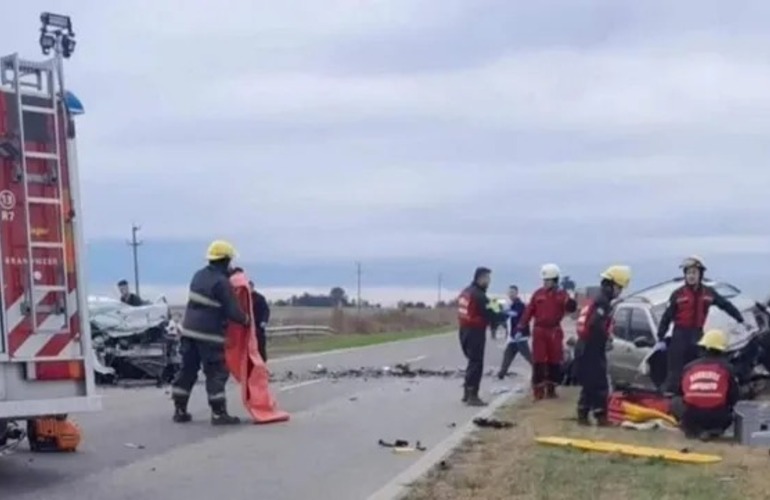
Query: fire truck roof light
x=57, y=21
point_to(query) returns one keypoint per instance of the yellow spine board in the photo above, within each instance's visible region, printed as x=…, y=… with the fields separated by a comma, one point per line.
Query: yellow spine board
x=630, y=450
x=638, y=413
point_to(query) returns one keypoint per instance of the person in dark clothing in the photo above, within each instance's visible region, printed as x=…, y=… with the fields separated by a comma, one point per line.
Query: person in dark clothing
x=594, y=333
x=126, y=296
x=261, y=315
x=211, y=304
x=474, y=315
x=709, y=390
x=518, y=340
x=688, y=309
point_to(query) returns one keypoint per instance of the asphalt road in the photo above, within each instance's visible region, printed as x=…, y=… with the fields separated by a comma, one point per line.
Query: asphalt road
x=328, y=450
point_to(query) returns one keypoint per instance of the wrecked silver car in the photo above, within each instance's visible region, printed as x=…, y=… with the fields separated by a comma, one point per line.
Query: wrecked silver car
x=132, y=343
x=636, y=318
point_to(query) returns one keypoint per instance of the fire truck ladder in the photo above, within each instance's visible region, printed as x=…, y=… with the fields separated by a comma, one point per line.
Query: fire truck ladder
x=35, y=82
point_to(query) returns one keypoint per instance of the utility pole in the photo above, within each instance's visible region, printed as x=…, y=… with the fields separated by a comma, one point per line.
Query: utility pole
x=358, y=288
x=440, y=285
x=134, y=244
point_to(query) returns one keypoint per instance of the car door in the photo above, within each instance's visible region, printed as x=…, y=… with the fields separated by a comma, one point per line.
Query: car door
x=641, y=329
x=617, y=356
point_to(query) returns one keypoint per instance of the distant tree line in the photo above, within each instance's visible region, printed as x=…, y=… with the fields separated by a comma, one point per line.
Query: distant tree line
x=338, y=297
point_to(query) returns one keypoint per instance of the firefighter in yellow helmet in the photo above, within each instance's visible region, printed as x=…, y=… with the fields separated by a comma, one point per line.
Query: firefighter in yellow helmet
x=709, y=390
x=593, y=330
x=210, y=305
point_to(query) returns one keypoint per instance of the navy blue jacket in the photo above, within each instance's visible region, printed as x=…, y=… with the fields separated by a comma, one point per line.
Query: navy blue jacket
x=515, y=312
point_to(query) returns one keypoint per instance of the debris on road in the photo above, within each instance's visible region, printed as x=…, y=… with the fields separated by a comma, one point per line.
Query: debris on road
x=493, y=423
x=402, y=446
x=134, y=446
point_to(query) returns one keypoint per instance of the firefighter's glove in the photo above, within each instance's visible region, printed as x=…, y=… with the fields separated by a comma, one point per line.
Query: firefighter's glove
x=660, y=346
x=517, y=336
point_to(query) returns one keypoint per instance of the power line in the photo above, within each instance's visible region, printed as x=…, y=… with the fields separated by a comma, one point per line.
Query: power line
x=135, y=244
x=358, y=290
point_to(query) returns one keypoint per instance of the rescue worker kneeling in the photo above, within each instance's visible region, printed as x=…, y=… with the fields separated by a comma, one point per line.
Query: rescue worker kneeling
x=211, y=304
x=709, y=390
x=593, y=330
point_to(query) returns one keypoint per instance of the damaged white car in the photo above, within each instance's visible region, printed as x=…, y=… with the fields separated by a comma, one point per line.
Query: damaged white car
x=132, y=342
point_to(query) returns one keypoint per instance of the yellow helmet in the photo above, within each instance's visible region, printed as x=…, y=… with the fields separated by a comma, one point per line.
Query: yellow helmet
x=620, y=275
x=714, y=339
x=220, y=249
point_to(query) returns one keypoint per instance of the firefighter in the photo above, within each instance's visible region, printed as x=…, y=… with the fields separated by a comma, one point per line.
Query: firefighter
x=547, y=308
x=709, y=390
x=688, y=308
x=594, y=334
x=518, y=341
x=474, y=315
x=211, y=304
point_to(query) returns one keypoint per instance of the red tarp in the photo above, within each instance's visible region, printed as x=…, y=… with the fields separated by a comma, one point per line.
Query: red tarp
x=246, y=365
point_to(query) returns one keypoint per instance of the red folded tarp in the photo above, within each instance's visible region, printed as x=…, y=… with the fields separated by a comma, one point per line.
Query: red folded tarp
x=246, y=365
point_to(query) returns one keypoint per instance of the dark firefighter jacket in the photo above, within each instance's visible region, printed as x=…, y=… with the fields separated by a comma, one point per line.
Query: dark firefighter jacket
x=132, y=299
x=473, y=308
x=593, y=329
x=688, y=308
x=211, y=303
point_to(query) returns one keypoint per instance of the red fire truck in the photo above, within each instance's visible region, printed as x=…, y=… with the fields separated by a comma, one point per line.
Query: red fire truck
x=46, y=363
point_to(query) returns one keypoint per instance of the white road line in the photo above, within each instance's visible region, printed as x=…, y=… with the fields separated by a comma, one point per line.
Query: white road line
x=416, y=359
x=300, y=384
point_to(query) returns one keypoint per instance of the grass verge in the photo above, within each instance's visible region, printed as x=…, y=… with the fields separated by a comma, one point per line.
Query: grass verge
x=508, y=464
x=286, y=346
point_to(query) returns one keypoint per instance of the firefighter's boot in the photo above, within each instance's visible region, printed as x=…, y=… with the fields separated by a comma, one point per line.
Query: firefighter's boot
x=474, y=399
x=181, y=416
x=550, y=391
x=466, y=394
x=219, y=415
x=601, y=418
x=582, y=417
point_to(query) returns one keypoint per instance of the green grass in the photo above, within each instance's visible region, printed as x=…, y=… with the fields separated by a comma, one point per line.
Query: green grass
x=345, y=341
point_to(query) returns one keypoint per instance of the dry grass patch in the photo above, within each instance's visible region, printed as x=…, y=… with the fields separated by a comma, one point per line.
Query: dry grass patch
x=508, y=464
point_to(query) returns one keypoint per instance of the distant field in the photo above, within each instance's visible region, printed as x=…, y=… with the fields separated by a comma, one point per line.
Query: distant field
x=371, y=320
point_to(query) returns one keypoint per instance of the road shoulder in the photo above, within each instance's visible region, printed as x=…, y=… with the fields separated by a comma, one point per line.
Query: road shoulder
x=507, y=463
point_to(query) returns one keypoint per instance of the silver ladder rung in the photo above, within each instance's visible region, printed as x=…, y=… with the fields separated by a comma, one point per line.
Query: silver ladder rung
x=47, y=244
x=39, y=155
x=43, y=201
x=49, y=288
x=39, y=109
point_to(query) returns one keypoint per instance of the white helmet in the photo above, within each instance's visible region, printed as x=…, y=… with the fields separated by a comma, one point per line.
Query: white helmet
x=550, y=272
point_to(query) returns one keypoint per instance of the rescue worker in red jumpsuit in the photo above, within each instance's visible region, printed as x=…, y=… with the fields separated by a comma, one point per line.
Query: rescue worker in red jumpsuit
x=474, y=315
x=594, y=334
x=546, y=309
x=709, y=390
x=688, y=308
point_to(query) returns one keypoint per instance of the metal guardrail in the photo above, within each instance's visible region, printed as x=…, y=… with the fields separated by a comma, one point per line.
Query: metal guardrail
x=299, y=330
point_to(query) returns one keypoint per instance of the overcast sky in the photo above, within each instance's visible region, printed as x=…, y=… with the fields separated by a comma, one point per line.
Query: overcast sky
x=476, y=131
